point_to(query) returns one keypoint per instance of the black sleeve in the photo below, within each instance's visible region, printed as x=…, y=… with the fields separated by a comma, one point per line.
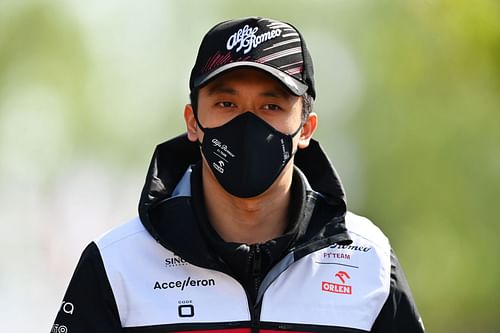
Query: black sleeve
x=399, y=313
x=89, y=304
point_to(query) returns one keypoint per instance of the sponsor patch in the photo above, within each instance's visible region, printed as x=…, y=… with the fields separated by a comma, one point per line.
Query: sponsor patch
x=338, y=288
x=56, y=328
x=183, y=284
x=175, y=261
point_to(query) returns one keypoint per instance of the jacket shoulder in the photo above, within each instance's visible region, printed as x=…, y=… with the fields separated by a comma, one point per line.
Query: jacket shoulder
x=121, y=234
x=362, y=229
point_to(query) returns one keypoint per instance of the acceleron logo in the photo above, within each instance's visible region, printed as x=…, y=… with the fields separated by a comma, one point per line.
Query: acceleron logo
x=338, y=288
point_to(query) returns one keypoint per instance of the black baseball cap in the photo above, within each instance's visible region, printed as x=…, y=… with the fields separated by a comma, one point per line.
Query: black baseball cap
x=273, y=46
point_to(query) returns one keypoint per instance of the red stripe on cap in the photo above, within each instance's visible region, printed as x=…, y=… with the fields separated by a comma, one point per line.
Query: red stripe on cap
x=295, y=40
x=295, y=70
x=280, y=54
x=216, y=60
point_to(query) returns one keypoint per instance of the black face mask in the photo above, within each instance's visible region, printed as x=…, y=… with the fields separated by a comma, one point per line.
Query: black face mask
x=246, y=154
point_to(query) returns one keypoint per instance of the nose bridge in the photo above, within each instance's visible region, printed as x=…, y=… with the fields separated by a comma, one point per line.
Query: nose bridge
x=248, y=104
x=249, y=93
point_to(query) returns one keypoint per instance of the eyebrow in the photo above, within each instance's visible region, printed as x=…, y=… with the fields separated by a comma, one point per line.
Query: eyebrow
x=275, y=93
x=222, y=89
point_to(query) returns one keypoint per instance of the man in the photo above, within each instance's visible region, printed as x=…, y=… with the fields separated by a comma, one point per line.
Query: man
x=242, y=221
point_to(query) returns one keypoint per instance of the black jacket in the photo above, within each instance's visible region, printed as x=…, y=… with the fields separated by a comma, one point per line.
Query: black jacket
x=167, y=271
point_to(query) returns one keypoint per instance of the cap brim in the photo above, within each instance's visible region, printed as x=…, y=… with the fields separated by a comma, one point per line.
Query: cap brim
x=295, y=86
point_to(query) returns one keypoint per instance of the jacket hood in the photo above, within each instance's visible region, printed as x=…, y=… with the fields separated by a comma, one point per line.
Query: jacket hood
x=171, y=159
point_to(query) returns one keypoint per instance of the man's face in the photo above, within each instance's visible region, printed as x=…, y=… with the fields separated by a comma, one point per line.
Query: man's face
x=250, y=90
x=245, y=89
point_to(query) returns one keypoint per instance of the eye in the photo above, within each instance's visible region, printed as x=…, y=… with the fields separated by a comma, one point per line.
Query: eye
x=272, y=107
x=226, y=104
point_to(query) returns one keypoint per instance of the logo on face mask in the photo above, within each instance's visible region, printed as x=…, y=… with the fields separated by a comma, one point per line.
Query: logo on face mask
x=223, y=153
x=286, y=154
x=246, y=154
x=222, y=148
x=219, y=166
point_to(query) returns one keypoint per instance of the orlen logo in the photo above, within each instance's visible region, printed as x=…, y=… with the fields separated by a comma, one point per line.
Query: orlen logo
x=337, y=288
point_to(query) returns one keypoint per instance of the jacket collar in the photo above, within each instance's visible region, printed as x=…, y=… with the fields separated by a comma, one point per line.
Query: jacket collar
x=172, y=158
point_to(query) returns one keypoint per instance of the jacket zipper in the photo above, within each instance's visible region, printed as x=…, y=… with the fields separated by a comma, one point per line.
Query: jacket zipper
x=256, y=278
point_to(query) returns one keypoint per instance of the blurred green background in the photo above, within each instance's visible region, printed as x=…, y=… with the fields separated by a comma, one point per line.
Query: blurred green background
x=409, y=106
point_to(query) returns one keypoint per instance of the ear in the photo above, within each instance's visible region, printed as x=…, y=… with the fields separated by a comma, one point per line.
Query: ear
x=191, y=125
x=308, y=130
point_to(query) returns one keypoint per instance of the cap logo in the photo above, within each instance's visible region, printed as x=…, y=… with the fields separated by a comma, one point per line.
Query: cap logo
x=246, y=38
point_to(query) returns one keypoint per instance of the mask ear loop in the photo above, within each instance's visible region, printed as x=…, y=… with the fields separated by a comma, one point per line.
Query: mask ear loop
x=195, y=112
x=298, y=129
x=302, y=122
